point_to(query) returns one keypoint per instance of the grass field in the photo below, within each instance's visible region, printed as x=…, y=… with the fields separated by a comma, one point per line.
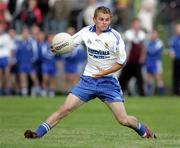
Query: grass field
x=91, y=126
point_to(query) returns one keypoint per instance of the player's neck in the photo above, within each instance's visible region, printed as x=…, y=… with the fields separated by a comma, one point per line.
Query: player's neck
x=98, y=31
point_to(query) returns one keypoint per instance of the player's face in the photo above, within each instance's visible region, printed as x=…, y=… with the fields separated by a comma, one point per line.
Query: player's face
x=178, y=29
x=25, y=33
x=136, y=25
x=41, y=36
x=12, y=33
x=154, y=35
x=102, y=22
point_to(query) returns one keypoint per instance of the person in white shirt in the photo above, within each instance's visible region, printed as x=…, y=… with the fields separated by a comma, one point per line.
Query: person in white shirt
x=135, y=47
x=106, y=55
x=6, y=47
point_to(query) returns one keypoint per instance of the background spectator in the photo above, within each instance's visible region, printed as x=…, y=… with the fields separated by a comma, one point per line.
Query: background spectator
x=25, y=67
x=153, y=64
x=31, y=14
x=146, y=14
x=134, y=39
x=48, y=66
x=89, y=12
x=175, y=54
x=6, y=46
x=121, y=22
x=59, y=13
x=15, y=7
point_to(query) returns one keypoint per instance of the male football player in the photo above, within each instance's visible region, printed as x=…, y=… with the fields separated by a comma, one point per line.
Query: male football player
x=106, y=55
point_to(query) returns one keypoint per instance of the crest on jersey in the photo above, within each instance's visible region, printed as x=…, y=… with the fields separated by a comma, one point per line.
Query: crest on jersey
x=117, y=52
x=106, y=45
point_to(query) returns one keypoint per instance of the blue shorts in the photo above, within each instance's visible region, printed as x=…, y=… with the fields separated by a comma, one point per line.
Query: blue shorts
x=71, y=67
x=3, y=63
x=105, y=88
x=154, y=68
x=49, y=69
x=25, y=68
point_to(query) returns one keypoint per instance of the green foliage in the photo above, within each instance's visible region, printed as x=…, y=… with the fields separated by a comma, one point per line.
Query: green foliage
x=91, y=126
x=167, y=72
x=164, y=35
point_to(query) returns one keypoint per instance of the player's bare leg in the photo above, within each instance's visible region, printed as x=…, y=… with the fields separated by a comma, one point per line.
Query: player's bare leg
x=121, y=116
x=8, y=84
x=35, y=90
x=71, y=103
x=1, y=82
x=160, y=83
x=45, y=81
x=23, y=84
x=52, y=86
x=149, y=84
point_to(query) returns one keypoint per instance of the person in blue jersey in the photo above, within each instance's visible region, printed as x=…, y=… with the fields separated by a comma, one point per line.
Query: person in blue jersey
x=36, y=62
x=175, y=54
x=153, y=64
x=24, y=56
x=48, y=65
x=106, y=55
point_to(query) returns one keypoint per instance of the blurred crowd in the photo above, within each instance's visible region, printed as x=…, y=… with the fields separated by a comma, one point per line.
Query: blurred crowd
x=27, y=66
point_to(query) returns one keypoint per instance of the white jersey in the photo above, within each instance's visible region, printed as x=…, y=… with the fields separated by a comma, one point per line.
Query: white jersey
x=103, y=50
x=6, y=45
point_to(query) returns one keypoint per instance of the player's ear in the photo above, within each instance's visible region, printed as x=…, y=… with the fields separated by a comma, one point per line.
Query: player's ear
x=94, y=19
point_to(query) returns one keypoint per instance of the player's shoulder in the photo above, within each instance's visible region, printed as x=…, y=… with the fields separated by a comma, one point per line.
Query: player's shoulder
x=112, y=30
x=115, y=33
x=175, y=38
x=5, y=36
x=84, y=31
x=130, y=34
x=87, y=28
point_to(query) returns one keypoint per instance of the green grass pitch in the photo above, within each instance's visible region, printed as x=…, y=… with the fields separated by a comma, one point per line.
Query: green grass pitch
x=91, y=126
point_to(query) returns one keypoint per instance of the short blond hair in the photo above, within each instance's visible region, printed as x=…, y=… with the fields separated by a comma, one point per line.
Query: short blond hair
x=102, y=9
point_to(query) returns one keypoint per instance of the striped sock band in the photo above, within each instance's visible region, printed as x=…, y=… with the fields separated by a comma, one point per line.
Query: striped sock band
x=141, y=130
x=43, y=129
x=47, y=126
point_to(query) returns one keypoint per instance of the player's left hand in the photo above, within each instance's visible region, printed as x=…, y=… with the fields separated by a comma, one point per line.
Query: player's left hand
x=103, y=72
x=100, y=74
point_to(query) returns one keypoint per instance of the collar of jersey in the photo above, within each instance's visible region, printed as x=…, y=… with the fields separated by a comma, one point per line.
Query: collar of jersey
x=93, y=29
